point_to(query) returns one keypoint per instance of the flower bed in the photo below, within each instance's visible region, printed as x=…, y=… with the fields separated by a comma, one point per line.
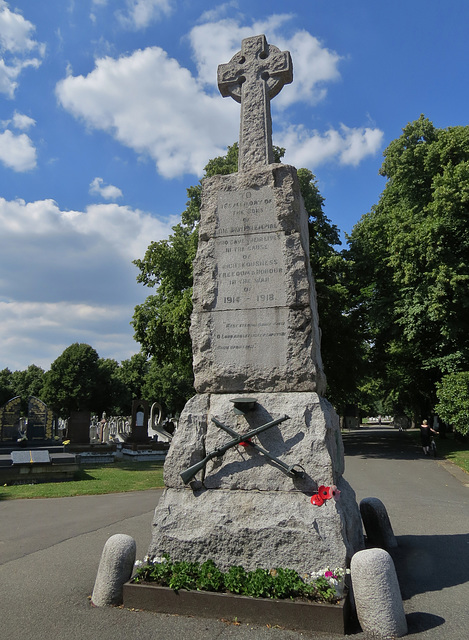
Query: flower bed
x=290, y=614
x=276, y=597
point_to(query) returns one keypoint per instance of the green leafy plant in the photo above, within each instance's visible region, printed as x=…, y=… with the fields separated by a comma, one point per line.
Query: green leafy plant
x=210, y=578
x=323, y=590
x=235, y=579
x=279, y=583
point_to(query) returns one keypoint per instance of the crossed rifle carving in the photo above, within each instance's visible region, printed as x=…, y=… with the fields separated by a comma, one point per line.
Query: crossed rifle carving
x=292, y=471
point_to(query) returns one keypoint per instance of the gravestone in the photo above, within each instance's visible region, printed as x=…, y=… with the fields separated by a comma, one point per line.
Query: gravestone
x=139, y=422
x=78, y=431
x=10, y=420
x=37, y=457
x=256, y=356
x=40, y=420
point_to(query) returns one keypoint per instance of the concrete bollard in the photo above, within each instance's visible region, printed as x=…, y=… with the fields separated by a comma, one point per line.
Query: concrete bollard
x=115, y=568
x=377, y=595
x=377, y=525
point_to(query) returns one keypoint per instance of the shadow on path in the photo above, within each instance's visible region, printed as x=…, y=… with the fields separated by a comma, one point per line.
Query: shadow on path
x=431, y=563
x=380, y=442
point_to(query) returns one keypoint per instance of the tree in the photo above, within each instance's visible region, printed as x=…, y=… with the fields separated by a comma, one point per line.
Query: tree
x=162, y=322
x=6, y=386
x=342, y=344
x=110, y=394
x=72, y=381
x=453, y=401
x=409, y=257
x=28, y=383
x=132, y=373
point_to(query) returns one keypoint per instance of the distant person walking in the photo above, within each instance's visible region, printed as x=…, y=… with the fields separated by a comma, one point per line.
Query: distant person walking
x=425, y=436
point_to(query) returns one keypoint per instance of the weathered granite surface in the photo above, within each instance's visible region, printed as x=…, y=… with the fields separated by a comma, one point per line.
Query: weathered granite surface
x=255, y=324
x=377, y=594
x=254, y=529
x=254, y=76
x=115, y=568
x=244, y=505
x=309, y=438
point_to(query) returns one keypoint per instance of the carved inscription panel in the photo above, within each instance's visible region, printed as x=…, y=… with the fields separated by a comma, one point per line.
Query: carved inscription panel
x=248, y=252
x=246, y=211
x=250, y=314
x=250, y=272
x=256, y=337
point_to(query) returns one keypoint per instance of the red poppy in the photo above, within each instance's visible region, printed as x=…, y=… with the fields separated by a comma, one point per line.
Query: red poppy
x=325, y=492
x=317, y=500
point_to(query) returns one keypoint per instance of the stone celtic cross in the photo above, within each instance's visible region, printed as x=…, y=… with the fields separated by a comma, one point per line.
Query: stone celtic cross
x=254, y=76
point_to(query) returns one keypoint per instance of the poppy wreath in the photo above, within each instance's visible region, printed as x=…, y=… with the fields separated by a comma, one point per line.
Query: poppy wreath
x=323, y=494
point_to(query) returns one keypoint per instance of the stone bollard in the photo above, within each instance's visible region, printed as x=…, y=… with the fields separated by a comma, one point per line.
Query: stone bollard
x=377, y=595
x=377, y=525
x=115, y=568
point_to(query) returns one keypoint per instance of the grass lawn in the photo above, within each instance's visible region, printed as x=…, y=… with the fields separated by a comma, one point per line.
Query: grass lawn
x=117, y=477
x=449, y=448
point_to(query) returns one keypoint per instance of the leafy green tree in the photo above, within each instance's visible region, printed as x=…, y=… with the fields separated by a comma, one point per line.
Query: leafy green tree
x=72, y=381
x=409, y=257
x=162, y=322
x=342, y=345
x=111, y=394
x=7, y=390
x=453, y=401
x=28, y=383
x=132, y=373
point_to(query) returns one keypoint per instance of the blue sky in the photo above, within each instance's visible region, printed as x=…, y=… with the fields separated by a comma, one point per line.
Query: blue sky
x=109, y=110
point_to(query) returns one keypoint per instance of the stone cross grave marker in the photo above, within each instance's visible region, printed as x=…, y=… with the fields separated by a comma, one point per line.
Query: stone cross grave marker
x=257, y=441
x=254, y=76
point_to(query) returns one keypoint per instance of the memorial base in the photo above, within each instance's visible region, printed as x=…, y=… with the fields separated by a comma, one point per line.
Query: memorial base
x=241, y=508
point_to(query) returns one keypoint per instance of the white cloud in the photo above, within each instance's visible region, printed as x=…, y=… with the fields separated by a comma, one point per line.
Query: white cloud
x=313, y=64
x=211, y=15
x=67, y=276
x=141, y=13
x=22, y=122
x=16, y=47
x=151, y=104
x=106, y=191
x=38, y=332
x=311, y=148
x=17, y=152
x=117, y=229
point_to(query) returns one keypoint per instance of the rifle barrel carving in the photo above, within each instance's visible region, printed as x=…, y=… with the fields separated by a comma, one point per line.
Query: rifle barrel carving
x=192, y=471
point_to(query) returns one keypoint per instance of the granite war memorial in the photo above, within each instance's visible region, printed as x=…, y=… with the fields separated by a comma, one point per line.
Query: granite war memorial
x=254, y=474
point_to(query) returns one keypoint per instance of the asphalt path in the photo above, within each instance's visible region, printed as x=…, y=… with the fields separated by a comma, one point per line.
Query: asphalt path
x=427, y=501
x=50, y=551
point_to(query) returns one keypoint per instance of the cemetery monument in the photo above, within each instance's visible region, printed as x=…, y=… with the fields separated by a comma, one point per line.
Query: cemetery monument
x=254, y=472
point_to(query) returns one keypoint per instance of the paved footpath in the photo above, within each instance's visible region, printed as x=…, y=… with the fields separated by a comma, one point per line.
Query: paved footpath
x=50, y=550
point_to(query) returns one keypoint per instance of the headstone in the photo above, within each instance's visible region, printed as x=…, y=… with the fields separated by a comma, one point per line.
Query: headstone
x=40, y=420
x=79, y=427
x=35, y=456
x=351, y=417
x=257, y=360
x=139, y=422
x=10, y=420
